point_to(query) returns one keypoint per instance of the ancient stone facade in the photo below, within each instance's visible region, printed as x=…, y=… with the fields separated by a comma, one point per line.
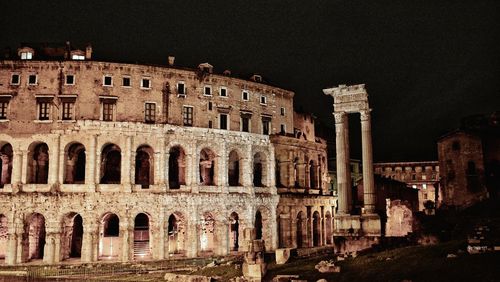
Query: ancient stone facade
x=111, y=161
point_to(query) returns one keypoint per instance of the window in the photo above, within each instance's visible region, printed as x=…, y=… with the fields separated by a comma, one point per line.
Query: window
x=107, y=80
x=223, y=92
x=67, y=110
x=43, y=110
x=108, y=108
x=32, y=79
x=181, y=88
x=209, y=106
x=282, y=111
x=15, y=79
x=207, y=90
x=223, y=121
x=210, y=125
x=263, y=100
x=70, y=79
x=283, y=129
x=187, y=116
x=266, y=125
x=245, y=95
x=3, y=109
x=149, y=112
x=78, y=57
x=26, y=55
x=146, y=83
x=245, y=123
x=126, y=81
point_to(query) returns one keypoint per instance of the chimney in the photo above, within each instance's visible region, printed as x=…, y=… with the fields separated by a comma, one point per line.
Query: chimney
x=171, y=60
x=88, y=52
x=68, y=50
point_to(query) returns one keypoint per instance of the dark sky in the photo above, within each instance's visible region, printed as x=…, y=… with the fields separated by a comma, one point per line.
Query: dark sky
x=425, y=63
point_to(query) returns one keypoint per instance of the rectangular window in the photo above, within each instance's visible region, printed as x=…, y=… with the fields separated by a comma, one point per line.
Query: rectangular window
x=223, y=121
x=32, y=79
x=209, y=106
x=78, y=57
x=223, y=92
x=3, y=109
x=207, y=90
x=181, y=88
x=107, y=80
x=26, y=56
x=283, y=129
x=187, y=116
x=282, y=111
x=43, y=110
x=266, y=126
x=70, y=79
x=245, y=95
x=107, y=111
x=263, y=100
x=146, y=83
x=126, y=81
x=210, y=124
x=245, y=124
x=67, y=110
x=150, y=112
x=15, y=79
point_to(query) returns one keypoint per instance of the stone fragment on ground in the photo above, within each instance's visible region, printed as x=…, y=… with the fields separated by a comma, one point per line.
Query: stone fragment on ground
x=451, y=256
x=285, y=278
x=327, y=267
x=174, y=277
x=282, y=255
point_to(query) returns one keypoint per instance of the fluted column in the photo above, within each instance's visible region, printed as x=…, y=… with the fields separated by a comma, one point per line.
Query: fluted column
x=348, y=163
x=342, y=158
x=367, y=155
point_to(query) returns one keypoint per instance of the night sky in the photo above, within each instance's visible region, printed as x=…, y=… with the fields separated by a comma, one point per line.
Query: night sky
x=425, y=64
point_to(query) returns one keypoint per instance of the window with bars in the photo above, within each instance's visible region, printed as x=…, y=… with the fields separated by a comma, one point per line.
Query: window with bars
x=67, y=110
x=149, y=112
x=3, y=109
x=107, y=111
x=43, y=110
x=187, y=116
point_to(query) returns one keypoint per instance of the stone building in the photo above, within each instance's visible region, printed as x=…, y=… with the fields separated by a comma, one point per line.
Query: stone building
x=422, y=176
x=115, y=161
x=469, y=158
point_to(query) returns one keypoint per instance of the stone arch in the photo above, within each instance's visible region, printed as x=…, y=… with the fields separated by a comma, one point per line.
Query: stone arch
x=176, y=167
x=208, y=167
x=316, y=226
x=260, y=168
x=176, y=228
x=34, y=237
x=234, y=175
x=207, y=232
x=144, y=166
x=142, y=235
x=74, y=163
x=300, y=221
x=109, y=236
x=4, y=235
x=6, y=157
x=71, y=236
x=111, y=160
x=234, y=231
x=328, y=228
x=312, y=174
x=38, y=163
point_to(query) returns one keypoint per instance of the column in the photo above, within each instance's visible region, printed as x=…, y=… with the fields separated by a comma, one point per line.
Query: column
x=126, y=230
x=366, y=145
x=62, y=164
x=24, y=168
x=159, y=247
x=246, y=166
x=17, y=162
x=192, y=235
x=48, y=250
x=11, y=255
x=348, y=163
x=87, y=244
x=91, y=163
x=160, y=164
x=293, y=231
x=126, y=168
x=57, y=247
x=222, y=167
x=54, y=162
x=341, y=158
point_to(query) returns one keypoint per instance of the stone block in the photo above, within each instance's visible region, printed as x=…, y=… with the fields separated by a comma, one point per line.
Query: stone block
x=173, y=277
x=282, y=255
x=327, y=267
x=284, y=278
x=254, y=270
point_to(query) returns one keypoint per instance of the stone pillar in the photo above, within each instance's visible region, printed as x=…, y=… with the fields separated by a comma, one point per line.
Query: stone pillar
x=57, y=247
x=222, y=166
x=88, y=244
x=192, y=235
x=368, y=180
x=62, y=164
x=293, y=232
x=24, y=169
x=17, y=163
x=159, y=244
x=49, y=248
x=160, y=173
x=127, y=240
x=91, y=163
x=348, y=163
x=246, y=166
x=11, y=255
x=126, y=168
x=54, y=162
x=342, y=158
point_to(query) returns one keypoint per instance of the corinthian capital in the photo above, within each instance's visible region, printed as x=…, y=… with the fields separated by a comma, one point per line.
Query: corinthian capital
x=365, y=114
x=339, y=117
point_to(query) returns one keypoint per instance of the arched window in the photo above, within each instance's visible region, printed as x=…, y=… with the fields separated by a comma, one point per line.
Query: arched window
x=111, y=161
x=207, y=167
x=75, y=164
x=142, y=249
x=259, y=170
x=144, y=166
x=38, y=163
x=6, y=156
x=176, y=167
x=233, y=168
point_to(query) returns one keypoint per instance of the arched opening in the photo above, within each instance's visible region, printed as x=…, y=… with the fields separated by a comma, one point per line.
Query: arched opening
x=233, y=167
x=316, y=229
x=300, y=240
x=296, y=172
x=38, y=163
x=6, y=156
x=207, y=167
x=75, y=164
x=234, y=231
x=312, y=174
x=109, y=237
x=142, y=249
x=259, y=170
x=176, y=167
x=144, y=166
x=71, y=236
x=176, y=233
x=36, y=236
x=4, y=235
x=207, y=238
x=328, y=227
x=258, y=225
x=111, y=161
